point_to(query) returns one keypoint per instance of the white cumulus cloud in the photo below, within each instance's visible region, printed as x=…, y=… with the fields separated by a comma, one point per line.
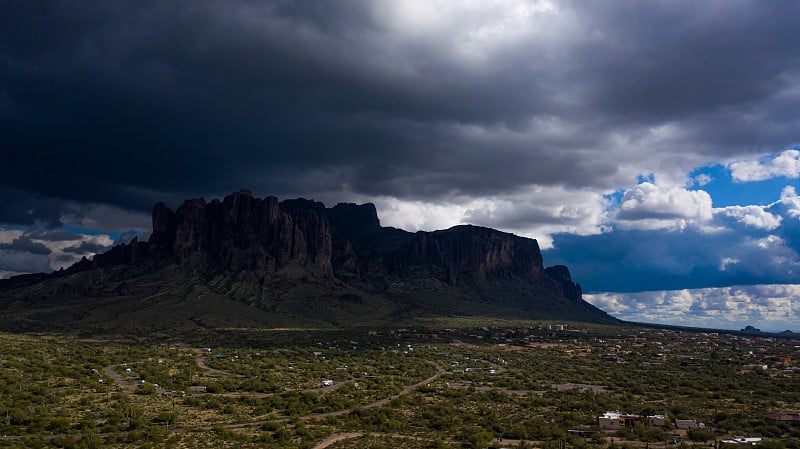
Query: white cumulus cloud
x=785, y=164
x=702, y=179
x=791, y=201
x=537, y=212
x=651, y=206
x=728, y=261
x=769, y=307
x=751, y=216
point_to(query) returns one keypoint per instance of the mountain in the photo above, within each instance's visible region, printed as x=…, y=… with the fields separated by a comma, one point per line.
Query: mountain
x=259, y=262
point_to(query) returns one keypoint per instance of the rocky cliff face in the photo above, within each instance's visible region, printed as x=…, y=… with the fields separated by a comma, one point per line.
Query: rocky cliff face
x=243, y=233
x=476, y=252
x=560, y=274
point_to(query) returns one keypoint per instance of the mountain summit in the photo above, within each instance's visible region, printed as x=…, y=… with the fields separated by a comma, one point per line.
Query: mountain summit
x=247, y=261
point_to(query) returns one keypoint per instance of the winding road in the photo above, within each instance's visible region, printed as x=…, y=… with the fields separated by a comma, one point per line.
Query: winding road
x=380, y=403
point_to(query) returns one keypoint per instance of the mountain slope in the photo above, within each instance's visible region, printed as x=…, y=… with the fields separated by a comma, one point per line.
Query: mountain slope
x=258, y=262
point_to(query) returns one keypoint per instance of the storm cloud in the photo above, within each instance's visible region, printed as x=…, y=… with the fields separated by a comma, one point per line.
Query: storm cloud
x=582, y=124
x=128, y=102
x=24, y=244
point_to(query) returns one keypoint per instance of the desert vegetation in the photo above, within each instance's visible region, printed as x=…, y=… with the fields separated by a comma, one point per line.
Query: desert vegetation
x=456, y=383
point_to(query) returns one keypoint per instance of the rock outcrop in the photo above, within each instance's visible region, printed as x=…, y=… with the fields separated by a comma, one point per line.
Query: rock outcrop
x=560, y=274
x=244, y=233
x=260, y=236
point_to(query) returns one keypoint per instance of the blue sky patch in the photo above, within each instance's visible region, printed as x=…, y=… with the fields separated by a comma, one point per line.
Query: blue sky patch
x=725, y=192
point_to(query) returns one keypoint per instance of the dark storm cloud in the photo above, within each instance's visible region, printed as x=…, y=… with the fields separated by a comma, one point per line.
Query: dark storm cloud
x=27, y=209
x=25, y=244
x=14, y=262
x=53, y=235
x=86, y=248
x=670, y=59
x=127, y=103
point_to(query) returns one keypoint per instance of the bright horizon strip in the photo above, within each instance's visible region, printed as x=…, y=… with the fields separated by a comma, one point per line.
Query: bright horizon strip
x=771, y=307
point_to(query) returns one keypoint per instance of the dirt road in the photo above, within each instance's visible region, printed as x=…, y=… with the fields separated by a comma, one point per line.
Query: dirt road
x=406, y=390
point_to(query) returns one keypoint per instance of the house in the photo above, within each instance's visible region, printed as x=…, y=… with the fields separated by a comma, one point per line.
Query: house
x=755, y=367
x=792, y=419
x=657, y=420
x=686, y=424
x=617, y=420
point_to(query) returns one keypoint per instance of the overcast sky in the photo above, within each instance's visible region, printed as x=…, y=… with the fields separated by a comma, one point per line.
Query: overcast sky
x=650, y=146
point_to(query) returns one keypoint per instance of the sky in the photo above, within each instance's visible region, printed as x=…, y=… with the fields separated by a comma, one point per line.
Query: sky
x=652, y=147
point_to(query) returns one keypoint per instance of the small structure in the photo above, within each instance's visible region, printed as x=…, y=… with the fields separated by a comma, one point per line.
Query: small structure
x=793, y=419
x=755, y=367
x=751, y=441
x=685, y=424
x=198, y=388
x=580, y=433
x=657, y=420
x=617, y=420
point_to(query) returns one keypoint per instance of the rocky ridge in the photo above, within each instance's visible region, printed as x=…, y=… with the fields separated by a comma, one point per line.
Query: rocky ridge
x=243, y=232
x=242, y=246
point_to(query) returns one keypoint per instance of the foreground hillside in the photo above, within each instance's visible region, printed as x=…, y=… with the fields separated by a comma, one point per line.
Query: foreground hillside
x=257, y=262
